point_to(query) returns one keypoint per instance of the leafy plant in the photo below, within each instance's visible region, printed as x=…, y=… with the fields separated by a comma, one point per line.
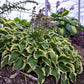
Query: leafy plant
x=44, y=53
x=65, y=26
x=24, y=23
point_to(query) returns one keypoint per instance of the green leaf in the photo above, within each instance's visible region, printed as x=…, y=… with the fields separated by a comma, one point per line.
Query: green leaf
x=44, y=45
x=46, y=60
x=0, y=25
x=64, y=68
x=40, y=74
x=71, y=66
x=47, y=70
x=22, y=45
x=38, y=54
x=64, y=76
x=14, y=56
x=65, y=81
x=53, y=57
x=30, y=49
x=19, y=63
x=3, y=31
x=72, y=77
x=4, y=61
x=56, y=73
x=25, y=53
x=64, y=13
x=71, y=29
x=61, y=31
x=64, y=59
x=80, y=68
x=32, y=62
x=14, y=47
x=27, y=68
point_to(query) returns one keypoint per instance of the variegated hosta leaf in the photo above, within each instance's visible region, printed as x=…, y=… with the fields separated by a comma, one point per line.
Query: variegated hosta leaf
x=65, y=81
x=80, y=68
x=47, y=70
x=27, y=68
x=64, y=68
x=53, y=57
x=14, y=56
x=40, y=74
x=72, y=76
x=14, y=47
x=30, y=49
x=19, y=63
x=1, y=25
x=30, y=40
x=38, y=54
x=4, y=61
x=46, y=60
x=64, y=76
x=25, y=53
x=56, y=73
x=4, y=53
x=71, y=29
x=64, y=59
x=71, y=66
x=44, y=45
x=32, y=62
x=22, y=45
x=2, y=30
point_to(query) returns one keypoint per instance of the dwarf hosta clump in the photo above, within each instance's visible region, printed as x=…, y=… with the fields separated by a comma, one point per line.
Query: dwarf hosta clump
x=44, y=53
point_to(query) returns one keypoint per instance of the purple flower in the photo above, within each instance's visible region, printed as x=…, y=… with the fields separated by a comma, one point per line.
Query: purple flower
x=60, y=10
x=48, y=6
x=72, y=8
x=57, y=3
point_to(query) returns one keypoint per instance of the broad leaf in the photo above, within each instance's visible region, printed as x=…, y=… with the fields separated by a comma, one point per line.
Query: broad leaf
x=72, y=77
x=64, y=68
x=40, y=74
x=64, y=59
x=32, y=62
x=38, y=54
x=5, y=61
x=22, y=45
x=19, y=63
x=14, y=56
x=56, y=73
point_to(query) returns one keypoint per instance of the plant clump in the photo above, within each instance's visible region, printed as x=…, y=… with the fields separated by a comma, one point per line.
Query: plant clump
x=44, y=53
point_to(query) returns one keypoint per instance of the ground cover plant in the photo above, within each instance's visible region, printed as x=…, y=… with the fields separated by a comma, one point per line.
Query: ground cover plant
x=45, y=53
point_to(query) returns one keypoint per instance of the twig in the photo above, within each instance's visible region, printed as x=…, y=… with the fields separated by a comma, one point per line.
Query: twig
x=29, y=76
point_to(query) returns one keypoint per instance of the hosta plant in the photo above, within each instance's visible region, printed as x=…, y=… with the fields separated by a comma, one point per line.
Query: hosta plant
x=44, y=53
x=65, y=25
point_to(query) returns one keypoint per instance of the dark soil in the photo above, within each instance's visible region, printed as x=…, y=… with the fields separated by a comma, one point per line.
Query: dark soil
x=7, y=71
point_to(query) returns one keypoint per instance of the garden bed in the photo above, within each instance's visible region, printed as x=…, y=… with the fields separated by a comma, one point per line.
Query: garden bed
x=6, y=72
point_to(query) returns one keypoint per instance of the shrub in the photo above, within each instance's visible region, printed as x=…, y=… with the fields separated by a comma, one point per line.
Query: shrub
x=44, y=53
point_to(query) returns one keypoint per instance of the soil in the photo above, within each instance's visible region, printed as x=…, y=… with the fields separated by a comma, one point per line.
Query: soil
x=7, y=71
